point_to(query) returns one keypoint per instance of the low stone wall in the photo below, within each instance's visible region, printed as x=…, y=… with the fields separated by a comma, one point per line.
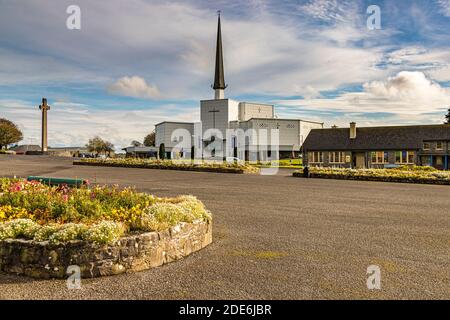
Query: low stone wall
x=131, y=253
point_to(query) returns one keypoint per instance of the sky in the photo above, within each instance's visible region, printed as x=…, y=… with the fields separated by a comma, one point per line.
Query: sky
x=136, y=63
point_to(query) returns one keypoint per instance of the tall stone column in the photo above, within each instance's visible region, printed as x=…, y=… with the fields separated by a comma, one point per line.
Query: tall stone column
x=44, y=107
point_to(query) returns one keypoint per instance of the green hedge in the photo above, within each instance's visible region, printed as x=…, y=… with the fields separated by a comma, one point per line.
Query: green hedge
x=405, y=175
x=169, y=165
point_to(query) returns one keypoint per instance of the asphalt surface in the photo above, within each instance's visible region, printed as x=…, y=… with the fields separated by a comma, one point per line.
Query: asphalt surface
x=275, y=237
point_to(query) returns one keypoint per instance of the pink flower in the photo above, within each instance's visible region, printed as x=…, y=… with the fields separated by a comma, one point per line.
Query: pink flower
x=16, y=187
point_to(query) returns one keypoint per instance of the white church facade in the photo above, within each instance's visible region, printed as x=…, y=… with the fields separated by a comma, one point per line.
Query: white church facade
x=231, y=129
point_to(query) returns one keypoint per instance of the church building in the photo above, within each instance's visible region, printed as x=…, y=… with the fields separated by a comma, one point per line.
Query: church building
x=228, y=128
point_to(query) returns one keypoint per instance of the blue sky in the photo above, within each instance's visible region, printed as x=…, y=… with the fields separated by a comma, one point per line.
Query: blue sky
x=136, y=63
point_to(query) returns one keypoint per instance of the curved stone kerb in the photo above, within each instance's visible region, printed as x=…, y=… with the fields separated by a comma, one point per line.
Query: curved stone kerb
x=131, y=253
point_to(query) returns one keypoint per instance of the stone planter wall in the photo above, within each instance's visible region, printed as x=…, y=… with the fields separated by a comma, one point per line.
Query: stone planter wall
x=131, y=253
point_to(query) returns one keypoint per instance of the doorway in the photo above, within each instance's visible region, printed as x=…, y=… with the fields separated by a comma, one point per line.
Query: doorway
x=438, y=162
x=359, y=160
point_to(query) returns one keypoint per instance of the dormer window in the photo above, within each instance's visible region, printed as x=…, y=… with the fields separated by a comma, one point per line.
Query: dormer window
x=439, y=145
x=426, y=146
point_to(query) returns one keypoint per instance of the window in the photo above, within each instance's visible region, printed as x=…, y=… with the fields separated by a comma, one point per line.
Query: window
x=337, y=157
x=410, y=157
x=439, y=145
x=379, y=157
x=426, y=146
x=404, y=157
x=315, y=157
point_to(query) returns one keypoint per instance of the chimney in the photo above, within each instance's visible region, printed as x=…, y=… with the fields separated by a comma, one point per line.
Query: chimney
x=352, y=130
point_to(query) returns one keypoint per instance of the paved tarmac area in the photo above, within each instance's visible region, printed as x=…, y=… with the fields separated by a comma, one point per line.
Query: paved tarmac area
x=275, y=237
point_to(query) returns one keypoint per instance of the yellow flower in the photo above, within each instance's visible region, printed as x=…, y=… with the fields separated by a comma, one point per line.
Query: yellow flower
x=10, y=213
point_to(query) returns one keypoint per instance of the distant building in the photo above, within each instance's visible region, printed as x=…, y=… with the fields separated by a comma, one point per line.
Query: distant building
x=378, y=147
x=163, y=135
x=23, y=149
x=251, y=125
x=140, y=152
x=68, y=151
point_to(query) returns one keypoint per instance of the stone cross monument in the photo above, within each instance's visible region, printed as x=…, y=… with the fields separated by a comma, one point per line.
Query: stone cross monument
x=44, y=107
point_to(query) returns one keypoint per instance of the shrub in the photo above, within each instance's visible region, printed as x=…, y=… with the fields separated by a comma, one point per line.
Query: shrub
x=104, y=232
x=416, y=175
x=182, y=164
x=46, y=232
x=415, y=168
x=161, y=216
x=193, y=208
x=6, y=232
x=162, y=151
x=68, y=232
x=19, y=228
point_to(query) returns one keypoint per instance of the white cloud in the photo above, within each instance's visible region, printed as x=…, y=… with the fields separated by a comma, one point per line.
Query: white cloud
x=408, y=87
x=445, y=7
x=407, y=54
x=408, y=96
x=18, y=68
x=263, y=53
x=434, y=62
x=134, y=86
x=328, y=10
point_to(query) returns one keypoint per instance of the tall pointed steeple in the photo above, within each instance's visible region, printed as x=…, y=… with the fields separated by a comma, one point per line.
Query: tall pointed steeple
x=219, y=77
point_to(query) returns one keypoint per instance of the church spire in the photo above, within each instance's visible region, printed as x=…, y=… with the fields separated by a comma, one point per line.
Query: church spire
x=219, y=77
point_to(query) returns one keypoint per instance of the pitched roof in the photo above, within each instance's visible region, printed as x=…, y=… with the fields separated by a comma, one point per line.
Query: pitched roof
x=376, y=138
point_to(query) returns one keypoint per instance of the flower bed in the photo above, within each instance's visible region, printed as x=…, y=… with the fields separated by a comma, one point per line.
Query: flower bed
x=102, y=214
x=2, y=151
x=220, y=167
x=402, y=174
x=38, y=218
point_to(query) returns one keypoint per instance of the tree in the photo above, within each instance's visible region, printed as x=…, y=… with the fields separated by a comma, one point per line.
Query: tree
x=149, y=140
x=108, y=148
x=9, y=133
x=98, y=145
x=447, y=117
x=162, y=151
